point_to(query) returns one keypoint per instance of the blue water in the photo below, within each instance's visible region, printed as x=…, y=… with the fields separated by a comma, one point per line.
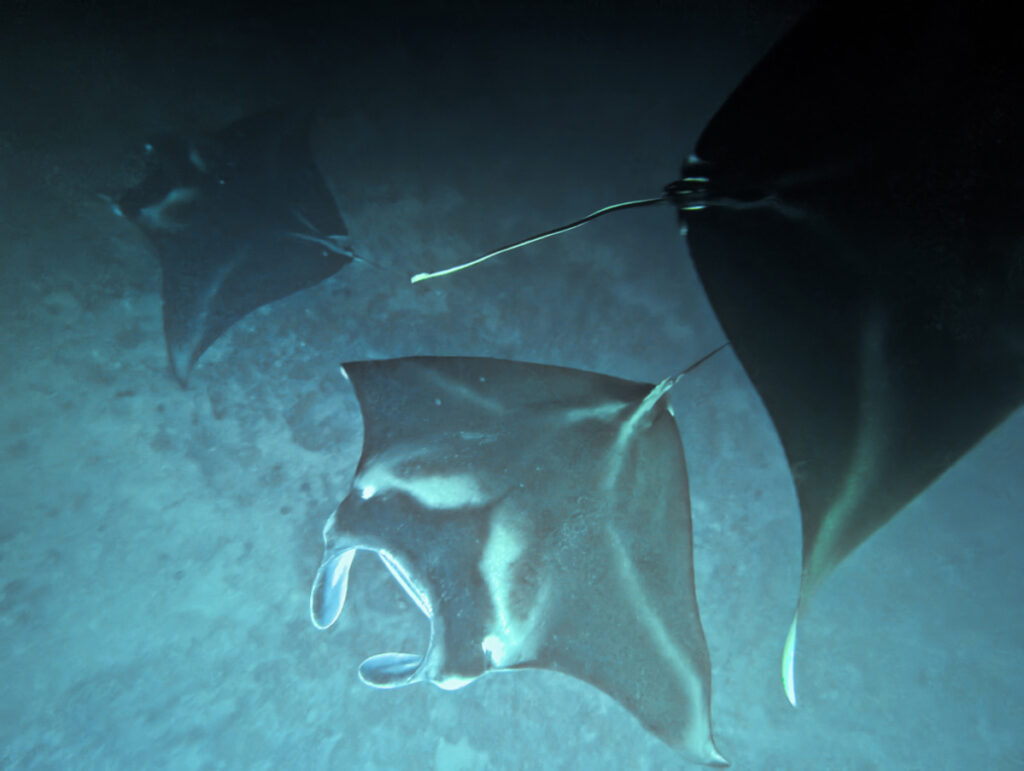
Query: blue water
x=157, y=545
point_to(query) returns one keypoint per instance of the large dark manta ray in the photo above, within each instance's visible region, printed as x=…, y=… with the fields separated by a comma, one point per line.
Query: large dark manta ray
x=855, y=211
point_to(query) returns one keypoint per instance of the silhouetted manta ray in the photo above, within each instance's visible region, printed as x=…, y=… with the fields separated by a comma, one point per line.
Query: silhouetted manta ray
x=855, y=211
x=239, y=218
x=539, y=517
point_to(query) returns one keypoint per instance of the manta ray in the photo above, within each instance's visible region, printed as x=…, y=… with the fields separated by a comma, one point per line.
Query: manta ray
x=239, y=217
x=855, y=212
x=539, y=517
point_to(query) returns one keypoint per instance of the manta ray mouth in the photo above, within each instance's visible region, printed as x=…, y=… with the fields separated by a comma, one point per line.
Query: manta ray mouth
x=330, y=587
x=327, y=599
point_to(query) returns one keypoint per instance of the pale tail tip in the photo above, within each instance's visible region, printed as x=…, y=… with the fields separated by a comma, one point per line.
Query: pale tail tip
x=788, y=663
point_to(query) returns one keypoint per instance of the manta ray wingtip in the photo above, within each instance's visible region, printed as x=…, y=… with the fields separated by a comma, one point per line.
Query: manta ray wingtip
x=180, y=368
x=461, y=459
x=715, y=758
x=789, y=662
